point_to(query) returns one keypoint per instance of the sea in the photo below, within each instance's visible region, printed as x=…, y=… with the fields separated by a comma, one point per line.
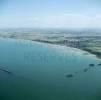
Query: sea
x=40, y=71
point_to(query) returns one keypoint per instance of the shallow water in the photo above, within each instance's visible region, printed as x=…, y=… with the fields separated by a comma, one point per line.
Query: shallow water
x=39, y=72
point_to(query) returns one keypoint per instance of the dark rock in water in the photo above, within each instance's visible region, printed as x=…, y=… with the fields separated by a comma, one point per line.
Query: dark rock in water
x=85, y=70
x=91, y=65
x=76, y=72
x=69, y=75
x=99, y=64
x=6, y=71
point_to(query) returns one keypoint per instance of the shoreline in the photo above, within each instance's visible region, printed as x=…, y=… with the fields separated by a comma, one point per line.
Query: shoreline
x=97, y=54
x=85, y=51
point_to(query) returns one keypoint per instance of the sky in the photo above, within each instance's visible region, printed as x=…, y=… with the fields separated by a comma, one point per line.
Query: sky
x=50, y=13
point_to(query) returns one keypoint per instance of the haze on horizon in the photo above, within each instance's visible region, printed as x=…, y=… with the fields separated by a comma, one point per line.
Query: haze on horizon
x=50, y=13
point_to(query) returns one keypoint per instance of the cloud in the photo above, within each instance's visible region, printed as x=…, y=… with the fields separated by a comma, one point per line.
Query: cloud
x=68, y=21
x=55, y=21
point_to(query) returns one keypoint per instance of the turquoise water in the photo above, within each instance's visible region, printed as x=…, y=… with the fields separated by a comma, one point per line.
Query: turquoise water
x=39, y=72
